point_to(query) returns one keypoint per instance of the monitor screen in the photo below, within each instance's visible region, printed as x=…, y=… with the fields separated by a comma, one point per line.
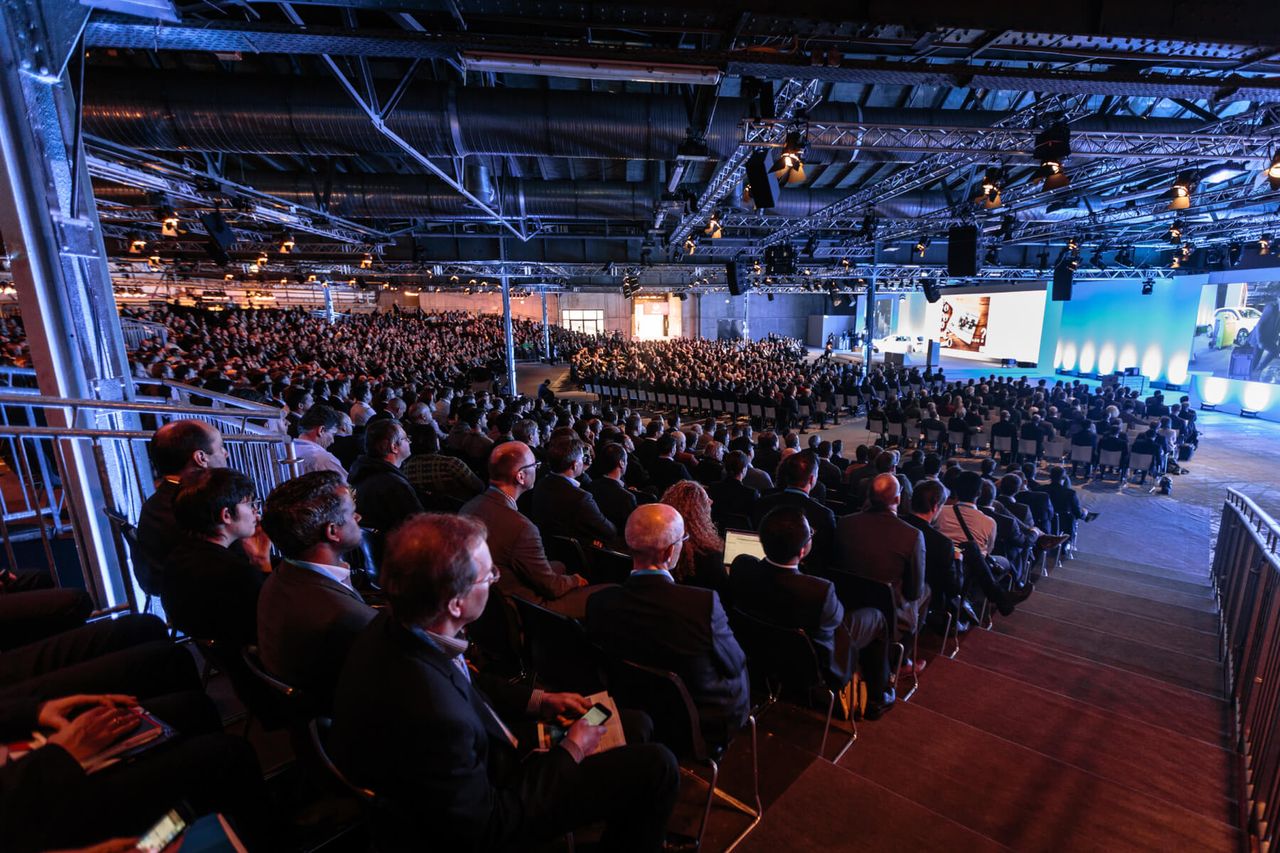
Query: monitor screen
x=738, y=542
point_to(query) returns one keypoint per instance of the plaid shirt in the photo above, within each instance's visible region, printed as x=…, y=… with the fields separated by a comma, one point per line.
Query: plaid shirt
x=435, y=472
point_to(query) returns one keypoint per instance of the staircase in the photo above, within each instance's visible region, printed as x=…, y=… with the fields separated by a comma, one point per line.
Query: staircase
x=1091, y=719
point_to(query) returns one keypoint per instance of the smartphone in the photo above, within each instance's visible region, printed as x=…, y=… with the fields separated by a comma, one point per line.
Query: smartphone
x=597, y=715
x=163, y=833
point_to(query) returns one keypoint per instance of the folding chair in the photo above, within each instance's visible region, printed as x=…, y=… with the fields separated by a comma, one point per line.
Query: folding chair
x=1001, y=444
x=1109, y=459
x=1055, y=450
x=1028, y=447
x=956, y=439
x=607, y=566
x=141, y=568
x=676, y=723
x=496, y=635
x=558, y=650
x=934, y=437
x=567, y=550
x=854, y=592
x=1141, y=463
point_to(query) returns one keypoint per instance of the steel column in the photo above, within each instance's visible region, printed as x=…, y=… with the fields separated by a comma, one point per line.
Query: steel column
x=870, y=321
x=546, y=329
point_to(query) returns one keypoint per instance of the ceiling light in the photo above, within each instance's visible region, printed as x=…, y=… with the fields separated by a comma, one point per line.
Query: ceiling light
x=263, y=260
x=1264, y=244
x=1053, y=146
x=789, y=169
x=989, y=194
x=1273, y=171
x=714, y=229
x=1225, y=172
x=1175, y=231
x=690, y=245
x=1177, y=261
x=169, y=222
x=1234, y=251
x=591, y=69
x=1148, y=287
x=921, y=245
x=1095, y=260
x=366, y=262
x=137, y=244
x=286, y=244
x=1180, y=193
x=154, y=261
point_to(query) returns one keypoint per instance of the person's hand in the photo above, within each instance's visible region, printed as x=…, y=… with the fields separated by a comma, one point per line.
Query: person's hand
x=564, y=705
x=258, y=549
x=53, y=714
x=585, y=736
x=93, y=731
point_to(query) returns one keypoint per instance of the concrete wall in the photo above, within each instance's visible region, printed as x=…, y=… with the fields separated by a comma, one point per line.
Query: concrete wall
x=786, y=315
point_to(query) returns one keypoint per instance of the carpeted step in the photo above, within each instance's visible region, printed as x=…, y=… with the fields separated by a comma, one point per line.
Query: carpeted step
x=1133, y=585
x=832, y=809
x=1201, y=618
x=1106, y=553
x=1100, y=566
x=1149, y=759
x=1193, y=671
x=1020, y=797
x=1124, y=626
x=1189, y=713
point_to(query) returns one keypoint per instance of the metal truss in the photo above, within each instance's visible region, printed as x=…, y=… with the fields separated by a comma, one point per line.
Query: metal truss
x=1008, y=142
x=926, y=171
x=794, y=98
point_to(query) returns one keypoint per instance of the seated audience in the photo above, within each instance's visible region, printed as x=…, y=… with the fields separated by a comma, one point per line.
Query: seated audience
x=702, y=557
x=559, y=505
x=33, y=608
x=384, y=495
x=438, y=474
x=732, y=501
x=798, y=474
x=611, y=494
x=318, y=429
x=666, y=470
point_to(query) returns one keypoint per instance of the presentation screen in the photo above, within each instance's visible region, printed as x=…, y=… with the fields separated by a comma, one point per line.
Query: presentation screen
x=1237, y=332
x=989, y=325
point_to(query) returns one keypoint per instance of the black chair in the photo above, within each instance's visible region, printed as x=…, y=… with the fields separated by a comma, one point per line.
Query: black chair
x=496, y=636
x=784, y=660
x=128, y=533
x=558, y=650
x=607, y=566
x=568, y=551
x=735, y=521
x=262, y=701
x=664, y=697
x=855, y=592
x=314, y=727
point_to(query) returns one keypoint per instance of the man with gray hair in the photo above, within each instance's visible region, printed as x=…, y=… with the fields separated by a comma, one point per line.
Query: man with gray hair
x=652, y=620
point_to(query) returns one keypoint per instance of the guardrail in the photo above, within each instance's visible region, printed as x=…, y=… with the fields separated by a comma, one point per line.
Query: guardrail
x=1246, y=574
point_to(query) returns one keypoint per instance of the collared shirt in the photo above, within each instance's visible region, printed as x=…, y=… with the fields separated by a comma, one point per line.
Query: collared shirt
x=341, y=574
x=313, y=457
x=794, y=569
x=980, y=525
x=646, y=572
x=575, y=483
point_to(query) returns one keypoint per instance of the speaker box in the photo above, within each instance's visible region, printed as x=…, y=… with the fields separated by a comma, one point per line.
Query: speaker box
x=1063, y=277
x=733, y=275
x=764, y=186
x=780, y=259
x=962, y=251
x=221, y=237
x=931, y=290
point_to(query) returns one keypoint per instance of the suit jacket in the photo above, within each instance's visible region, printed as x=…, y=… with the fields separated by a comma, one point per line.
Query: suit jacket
x=306, y=625
x=731, y=497
x=788, y=598
x=666, y=472
x=410, y=725
x=614, y=500
x=654, y=621
x=384, y=495
x=882, y=547
x=211, y=592
x=1041, y=507
x=1022, y=512
x=562, y=508
x=821, y=520
x=158, y=534
x=939, y=558
x=518, y=551
x=708, y=471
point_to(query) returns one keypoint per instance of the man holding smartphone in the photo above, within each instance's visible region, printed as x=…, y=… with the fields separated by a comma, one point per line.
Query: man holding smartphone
x=431, y=737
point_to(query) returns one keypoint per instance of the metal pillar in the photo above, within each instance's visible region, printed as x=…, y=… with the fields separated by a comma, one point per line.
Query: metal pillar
x=870, y=321
x=59, y=262
x=510, y=335
x=328, y=302
x=546, y=330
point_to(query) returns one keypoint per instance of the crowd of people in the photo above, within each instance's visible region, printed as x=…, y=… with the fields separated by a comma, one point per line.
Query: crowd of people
x=380, y=580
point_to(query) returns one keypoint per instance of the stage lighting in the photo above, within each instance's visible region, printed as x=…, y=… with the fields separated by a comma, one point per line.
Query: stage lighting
x=1095, y=260
x=1124, y=257
x=263, y=260
x=713, y=229
x=769, y=296
x=1175, y=231
x=137, y=244
x=690, y=245
x=366, y=262
x=992, y=258
x=1073, y=245
x=169, y=222
x=1273, y=171
x=989, y=193
x=1180, y=193
x=869, y=224
x=1234, y=251
x=1148, y=287
x=1042, y=261
x=921, y=245
x=286, y=244
x=1264, y=244
x=789, y=169
x=1053, y=146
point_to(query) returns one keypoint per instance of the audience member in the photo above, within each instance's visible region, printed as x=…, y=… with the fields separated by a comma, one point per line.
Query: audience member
x=317, y=429
x=384, y=495
x=798, y=474
x=559, y=505
x=608, y=489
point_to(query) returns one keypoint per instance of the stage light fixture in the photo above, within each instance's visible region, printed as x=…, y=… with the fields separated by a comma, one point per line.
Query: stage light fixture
x=1095, y=260
x=1180, y=193
x=1148, y=287
x=154, y=262
x=1053, y=146
x=1234, y=251
x=921, y=245
x=1264, y=245
x=756, y=269
x=366, y=261
x=1174, y=236
x=1073, y=245
x=713, y=230
x=789, y=169
x=869, y=225
x=286, y=244
x=1042, y=261
x=169, y=222
x=263, y=260
x=992, y=258
x=769, y=296
x=1124, y=256
x=690, y=245
x=989, y=193
x=137, y=244
x=1273, y=171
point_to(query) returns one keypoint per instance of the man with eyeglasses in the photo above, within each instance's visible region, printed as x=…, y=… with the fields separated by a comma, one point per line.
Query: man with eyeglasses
x=384, y=495
x=514, y=541
x=211, y=588
x=319, y=427
x=652, y=620
x=439, y=743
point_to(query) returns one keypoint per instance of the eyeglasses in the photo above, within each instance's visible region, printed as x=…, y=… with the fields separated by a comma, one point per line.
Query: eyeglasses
x=255, y=504
x=489, y=579
x=534, y=465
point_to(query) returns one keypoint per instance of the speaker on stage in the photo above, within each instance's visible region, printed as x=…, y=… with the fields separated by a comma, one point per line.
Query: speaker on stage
x=962, y=251
x=1063, y=277
x=764, y=186
x=931, y=290
x=733, y=275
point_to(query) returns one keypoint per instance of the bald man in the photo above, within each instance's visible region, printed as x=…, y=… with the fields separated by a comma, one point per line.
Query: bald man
x=877, y=545
x=652, y=620
x=514, y=540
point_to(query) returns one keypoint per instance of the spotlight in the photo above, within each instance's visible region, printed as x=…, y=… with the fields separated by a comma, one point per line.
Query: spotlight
x=366, y=262
x=1148, y=287
x=756, y=268
x=790, y=166
x=1181, y=191
x=690, y=245
x=921, y=245
x=154, y=261
x=989, y=194
x=137, y=244
x=1053, y=146
x=1264, y=244
x=286, y=244
x=869, y=224
x=1095, y=260
x=1273, y=171
x=1234, y=251
x=713, y=229
x=993, y=257
x=1175, y=231
x=769, y=296
x=263, y=260
x=1124, y=257
x=1073, y=245
x=169, y=222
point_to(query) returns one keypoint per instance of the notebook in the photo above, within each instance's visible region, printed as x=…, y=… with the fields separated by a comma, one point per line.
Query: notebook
x=737, y=542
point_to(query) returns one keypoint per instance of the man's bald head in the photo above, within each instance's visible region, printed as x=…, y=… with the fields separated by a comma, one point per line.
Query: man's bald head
x=654, y=533
x=885, y=492
x=509, y=464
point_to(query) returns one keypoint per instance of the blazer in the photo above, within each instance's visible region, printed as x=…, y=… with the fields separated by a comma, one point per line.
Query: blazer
x=1022, y=512
x=731, y=497
x=666, y=472
x=518, y=551
x=384, y=495
x=882, y=547
x=562, y=508
x=821, y=520
x=211, y=592
x=614, y=500
x=939, y=560
x=794, y=600
x=411, y=726
x=306, y=625
x=1041, y=507
x=654, y=621
x=708, y=471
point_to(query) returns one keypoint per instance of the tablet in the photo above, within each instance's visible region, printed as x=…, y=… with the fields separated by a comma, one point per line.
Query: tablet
x=737, y=542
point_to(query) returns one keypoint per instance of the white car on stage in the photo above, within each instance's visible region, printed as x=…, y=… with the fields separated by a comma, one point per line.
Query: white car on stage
x=906, y=344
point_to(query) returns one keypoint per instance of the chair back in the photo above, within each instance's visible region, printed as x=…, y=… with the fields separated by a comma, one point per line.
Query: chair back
x=1110, y=458
x=1055, y=449
x=776, y=656
x=663, y=696
x=1141, y=461
x=558, y=650
x=737, y=521
x=955, y=439
x=1027, y=446
x=567, y=550
x=290, y=702
x=366, y=795
x=855, y=592
x=1002, y=443
x=932, y=435
x=268, y=704
x=607, y=566
x=1081, y=453
x=129, y=533
x=496, y=634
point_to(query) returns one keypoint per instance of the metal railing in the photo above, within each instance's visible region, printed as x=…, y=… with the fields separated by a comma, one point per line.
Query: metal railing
x=1246, y=575
x=37, y=457
x=137, y=331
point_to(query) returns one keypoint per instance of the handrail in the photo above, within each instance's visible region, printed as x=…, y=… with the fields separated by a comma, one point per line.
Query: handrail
x=218, y=397
x=137, y=408
x=7, y=430
x=1258, y=516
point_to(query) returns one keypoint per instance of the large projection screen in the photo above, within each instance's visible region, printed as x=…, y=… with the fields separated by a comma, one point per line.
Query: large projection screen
x=988, y=326
x=1237, y=334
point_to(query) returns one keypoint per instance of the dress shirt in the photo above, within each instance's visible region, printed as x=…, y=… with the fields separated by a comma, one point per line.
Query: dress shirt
x=340, y=574
x=313, y=457
x=980, y=525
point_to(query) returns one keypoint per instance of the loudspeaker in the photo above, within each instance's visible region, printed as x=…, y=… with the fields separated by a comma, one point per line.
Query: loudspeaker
x=931, y=290
x=1063, y=277
x=764, y=186
x=962, y=251
x=780, y=259
x=221, y=237
x=733, y=275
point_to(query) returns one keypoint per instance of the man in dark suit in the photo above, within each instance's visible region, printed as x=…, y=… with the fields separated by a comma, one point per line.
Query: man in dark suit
x=666, y=471
x=710, y=468
x=767, y=457
x=384, y=495
x=652, y=620
x=615, y=500
x=562, y=507
x=412, y=722
x=877, y=545
x=211, y=590
x=798, y=474
x=775, y=590
x=730, y=496
x=1034, y=496
x=309, y=611
x=514, y=541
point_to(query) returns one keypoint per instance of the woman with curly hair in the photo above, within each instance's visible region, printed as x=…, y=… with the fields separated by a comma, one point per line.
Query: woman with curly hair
x=702, y=558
